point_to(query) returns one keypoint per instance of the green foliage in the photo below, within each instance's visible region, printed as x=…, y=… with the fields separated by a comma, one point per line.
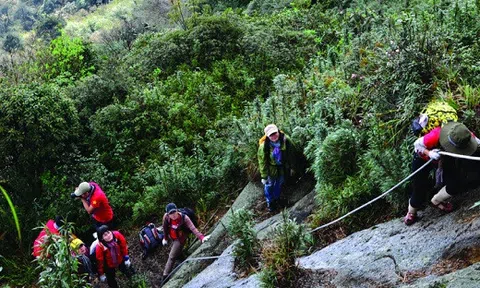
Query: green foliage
x=289, y=241
x=66, y=60
x=11, y=43
x=17, y=270
x=13, y=211
x=336, y=157
x=212, y=38
x=247, y=248
x=37, y=125
x=155, y=114
x=48, y=27
x=60, y=268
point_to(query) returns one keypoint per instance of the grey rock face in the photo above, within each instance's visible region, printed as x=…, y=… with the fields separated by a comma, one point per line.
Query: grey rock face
x=385, y=254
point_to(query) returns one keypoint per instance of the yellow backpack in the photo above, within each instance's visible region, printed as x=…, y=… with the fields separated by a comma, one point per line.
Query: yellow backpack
x=435, y=114
x=438, y=113
x=261, y=140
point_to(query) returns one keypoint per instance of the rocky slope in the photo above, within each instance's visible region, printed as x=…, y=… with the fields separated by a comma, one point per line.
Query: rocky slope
x=438, y=251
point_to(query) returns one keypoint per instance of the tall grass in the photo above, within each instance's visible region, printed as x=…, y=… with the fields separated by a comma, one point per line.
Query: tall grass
x=14, y=213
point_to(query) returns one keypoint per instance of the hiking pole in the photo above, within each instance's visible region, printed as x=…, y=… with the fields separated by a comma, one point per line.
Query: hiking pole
x=375, y=199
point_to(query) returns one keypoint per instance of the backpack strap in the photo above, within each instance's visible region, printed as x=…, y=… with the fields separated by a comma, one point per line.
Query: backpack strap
x=183, y=218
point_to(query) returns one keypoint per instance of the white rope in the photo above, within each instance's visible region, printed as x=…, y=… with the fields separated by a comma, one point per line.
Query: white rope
x=459, y=156
x=373, y=200
x=391, y=189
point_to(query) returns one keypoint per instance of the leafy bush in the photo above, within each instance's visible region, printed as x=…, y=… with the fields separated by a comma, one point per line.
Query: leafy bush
x=289, y=241
x=60, y=268
x=336, y=157
x=38, y=125
x=247, y=247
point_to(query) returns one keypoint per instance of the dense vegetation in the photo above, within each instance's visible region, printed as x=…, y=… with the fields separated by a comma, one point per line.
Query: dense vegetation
x=158, y=111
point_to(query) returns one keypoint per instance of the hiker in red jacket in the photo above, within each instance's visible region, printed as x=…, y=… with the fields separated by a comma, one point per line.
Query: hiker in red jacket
x=174, y=226
x=112, y=253
x=95, y=203
x=52, y=227
x=455, y=138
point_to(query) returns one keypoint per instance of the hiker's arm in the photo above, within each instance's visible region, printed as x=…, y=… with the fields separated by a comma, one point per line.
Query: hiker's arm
x=88, y=208
x=419, y=146
x=100, y=260
x=166, y=231
x=123, y=243
x=192, y=228
x=261, y=162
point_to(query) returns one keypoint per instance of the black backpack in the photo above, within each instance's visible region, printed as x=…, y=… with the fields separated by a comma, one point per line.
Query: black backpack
x=191, y=214
x=150, y=238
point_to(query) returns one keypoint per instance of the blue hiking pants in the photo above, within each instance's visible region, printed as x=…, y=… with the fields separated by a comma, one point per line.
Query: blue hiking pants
x=273, y=188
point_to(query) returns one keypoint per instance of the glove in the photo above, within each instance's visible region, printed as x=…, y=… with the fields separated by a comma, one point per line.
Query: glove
x=264, y=181
x=205, y=239
x=127, y=261
x=164, y=242
x=433, y=154
x=103, y=278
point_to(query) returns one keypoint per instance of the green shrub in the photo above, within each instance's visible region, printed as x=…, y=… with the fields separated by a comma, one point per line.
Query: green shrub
x=336, y=157
x=289, y=241
x=247, y=247
x=60, y=268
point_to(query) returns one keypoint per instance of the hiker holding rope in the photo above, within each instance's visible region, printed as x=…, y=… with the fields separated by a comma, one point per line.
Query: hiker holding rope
x=275, y=158
x=453, y=137
x=176, y=226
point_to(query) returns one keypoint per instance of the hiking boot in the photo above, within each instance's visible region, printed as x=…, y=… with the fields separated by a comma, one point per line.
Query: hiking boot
x=270, y=207
x=446, y=207
x=410, y=218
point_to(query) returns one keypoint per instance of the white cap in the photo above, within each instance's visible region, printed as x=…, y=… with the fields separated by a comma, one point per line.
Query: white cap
x=271, y=129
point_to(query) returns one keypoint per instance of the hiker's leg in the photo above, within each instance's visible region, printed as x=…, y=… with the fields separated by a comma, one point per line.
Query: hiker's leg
x=174, y=252
x=421, y=185
x=268, y=191
x=277, y=187
x=127, y=271
x=111, y=281
x=455, y=182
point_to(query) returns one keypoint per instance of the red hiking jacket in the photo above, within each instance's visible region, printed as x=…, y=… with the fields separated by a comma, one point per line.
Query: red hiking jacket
x=37, y=244
x=104, y=253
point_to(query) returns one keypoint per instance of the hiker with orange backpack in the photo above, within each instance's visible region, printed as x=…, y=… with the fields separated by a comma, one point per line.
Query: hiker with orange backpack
x=453, y=137
x=275, y=156
x=176, y=226
x=111, y=253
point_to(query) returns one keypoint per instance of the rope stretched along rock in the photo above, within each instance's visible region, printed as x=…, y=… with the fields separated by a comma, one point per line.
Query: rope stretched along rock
x=346, y=215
